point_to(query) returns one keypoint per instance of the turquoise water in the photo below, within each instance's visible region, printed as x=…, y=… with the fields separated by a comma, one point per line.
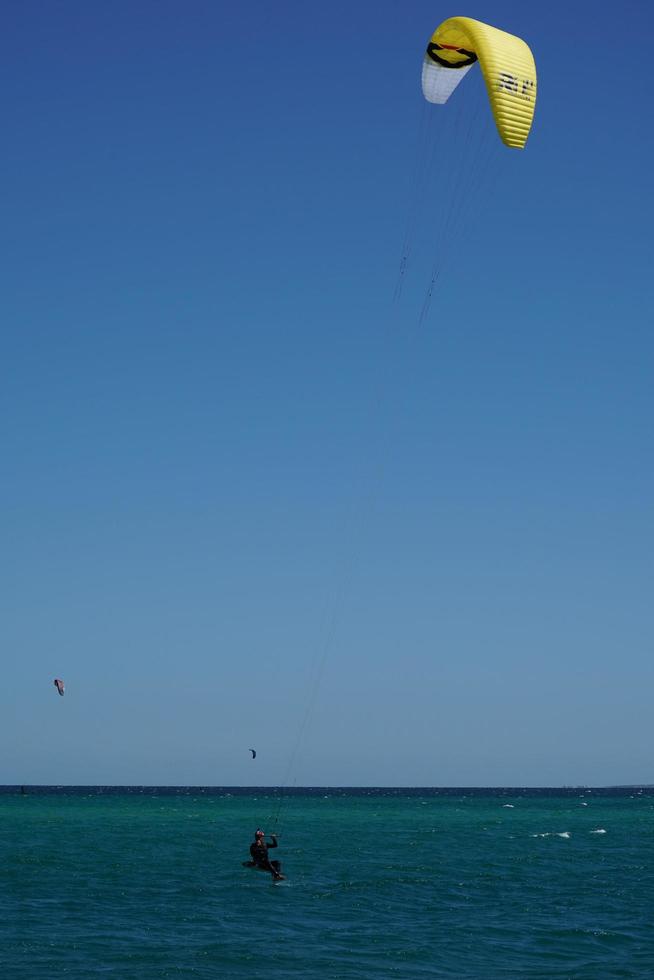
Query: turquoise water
x=379, y=886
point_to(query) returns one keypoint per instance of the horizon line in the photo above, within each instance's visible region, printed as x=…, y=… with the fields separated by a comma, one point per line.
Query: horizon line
x=326, y=786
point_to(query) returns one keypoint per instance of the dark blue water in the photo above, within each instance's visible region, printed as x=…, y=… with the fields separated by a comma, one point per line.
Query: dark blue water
x=381, y=883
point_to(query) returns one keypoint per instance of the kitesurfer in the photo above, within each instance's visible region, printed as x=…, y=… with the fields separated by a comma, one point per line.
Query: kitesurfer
x=259, y=854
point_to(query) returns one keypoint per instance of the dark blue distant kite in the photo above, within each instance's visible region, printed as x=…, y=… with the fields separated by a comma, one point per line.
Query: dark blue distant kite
x=254, y=754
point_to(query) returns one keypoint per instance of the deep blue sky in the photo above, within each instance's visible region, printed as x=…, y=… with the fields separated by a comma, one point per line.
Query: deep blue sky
x=227, y=459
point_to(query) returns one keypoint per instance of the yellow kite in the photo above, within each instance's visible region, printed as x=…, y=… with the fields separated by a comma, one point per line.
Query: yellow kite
x=507, y=65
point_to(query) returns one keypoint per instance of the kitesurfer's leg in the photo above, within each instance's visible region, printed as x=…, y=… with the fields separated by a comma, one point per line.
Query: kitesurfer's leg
x=268, y=866
x=276, y=869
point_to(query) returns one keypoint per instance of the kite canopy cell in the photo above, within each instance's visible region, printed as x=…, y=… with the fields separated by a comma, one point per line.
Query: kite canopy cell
x=506, y=63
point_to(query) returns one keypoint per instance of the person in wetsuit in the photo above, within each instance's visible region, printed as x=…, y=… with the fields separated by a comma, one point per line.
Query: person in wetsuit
x=259, y=854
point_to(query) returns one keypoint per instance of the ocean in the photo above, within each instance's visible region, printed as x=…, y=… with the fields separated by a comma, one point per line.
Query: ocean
x=148, y=883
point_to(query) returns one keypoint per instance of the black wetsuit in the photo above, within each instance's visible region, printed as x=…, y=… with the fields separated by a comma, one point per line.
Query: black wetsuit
x=259, y=855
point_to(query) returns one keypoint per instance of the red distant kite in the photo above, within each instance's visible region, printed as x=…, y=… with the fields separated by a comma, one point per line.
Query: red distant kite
x=60, y=686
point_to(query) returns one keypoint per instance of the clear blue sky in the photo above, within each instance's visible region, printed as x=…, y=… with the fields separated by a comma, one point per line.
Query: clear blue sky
x=202, y=496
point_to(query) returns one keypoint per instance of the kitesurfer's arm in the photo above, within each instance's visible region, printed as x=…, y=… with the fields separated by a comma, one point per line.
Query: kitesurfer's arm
x=273, y=841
